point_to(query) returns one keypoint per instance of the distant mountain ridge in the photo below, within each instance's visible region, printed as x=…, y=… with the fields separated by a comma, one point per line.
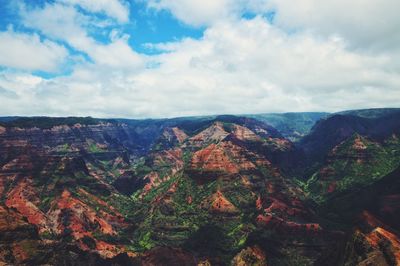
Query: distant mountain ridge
x=293, y=125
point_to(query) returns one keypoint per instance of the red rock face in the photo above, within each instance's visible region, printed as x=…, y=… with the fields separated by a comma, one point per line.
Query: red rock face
x=172, y=158
x=174, y=136
x=278, y=223
x=245, y=134
x=22, y=163
x=19, y=253
x=107, y=250
x=373, y=243
x=380, y=237
x=359, y=144
x=244, y=159
x=227, y=157
x=213, y=158
x=111, y=214
x=377, y=247
x=218, y=203
x=259, y=203
x=72, y=215
x=179, y=134
x=66, y=213
x=278, y=206
x=81, y=218
x=214, y=133
x=153, y=181
x=357, y=151
x=24, y=199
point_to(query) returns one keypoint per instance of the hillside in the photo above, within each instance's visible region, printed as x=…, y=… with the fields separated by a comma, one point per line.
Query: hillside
x=220, y=190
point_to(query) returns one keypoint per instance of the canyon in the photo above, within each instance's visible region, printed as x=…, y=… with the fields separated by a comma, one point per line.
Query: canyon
x=305, y=189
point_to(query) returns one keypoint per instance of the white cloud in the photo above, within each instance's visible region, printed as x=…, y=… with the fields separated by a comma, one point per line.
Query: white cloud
x=58, y=22
x=245, y=66
x=27, y=51
x=373, y=24
x=22, y=87
x=113, y=8
x=314, y=57
x=251, y=66
x=65, y=23
x=207, y=12
x=194, y=12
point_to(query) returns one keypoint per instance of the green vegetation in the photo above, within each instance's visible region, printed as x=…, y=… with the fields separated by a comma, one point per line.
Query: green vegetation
x=141, y=168
x=350, y=167
x=64, y=148
x=292, y=257
x=94, y=148
x=192, y=208
x=47, y=235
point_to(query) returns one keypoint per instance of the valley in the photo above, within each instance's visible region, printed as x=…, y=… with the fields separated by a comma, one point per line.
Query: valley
x=305, y=189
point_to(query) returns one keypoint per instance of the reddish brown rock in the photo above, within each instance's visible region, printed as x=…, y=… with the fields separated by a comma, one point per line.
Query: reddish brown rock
x=278, y=206
x=250, y=256
x=218, y=203
x=153, y=180
x=377, y=247
x=213, y=158
x=70, y=215
x=172, y=158
x=24, y=199
x=274, y=222
x=214, y=133
x=172, y=136
x=22, y=163
x=259, y=203
x=245, y=134
x=241, y=156
x=107, y=250
x=179, y=134
x=19, y=251
x=226, y=157
x=359, y=143
x=80, y=217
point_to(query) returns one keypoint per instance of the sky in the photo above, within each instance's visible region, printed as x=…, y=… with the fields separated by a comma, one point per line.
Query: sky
x=170, y=58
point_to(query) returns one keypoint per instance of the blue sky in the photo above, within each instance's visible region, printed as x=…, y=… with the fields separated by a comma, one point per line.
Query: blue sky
x=165, y=58
x=144, y=26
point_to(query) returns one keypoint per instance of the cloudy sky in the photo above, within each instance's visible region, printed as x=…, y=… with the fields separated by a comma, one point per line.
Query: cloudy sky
x=167, y=58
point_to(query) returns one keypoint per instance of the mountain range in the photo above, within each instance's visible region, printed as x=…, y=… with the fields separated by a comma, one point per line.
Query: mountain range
x=264, y=189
